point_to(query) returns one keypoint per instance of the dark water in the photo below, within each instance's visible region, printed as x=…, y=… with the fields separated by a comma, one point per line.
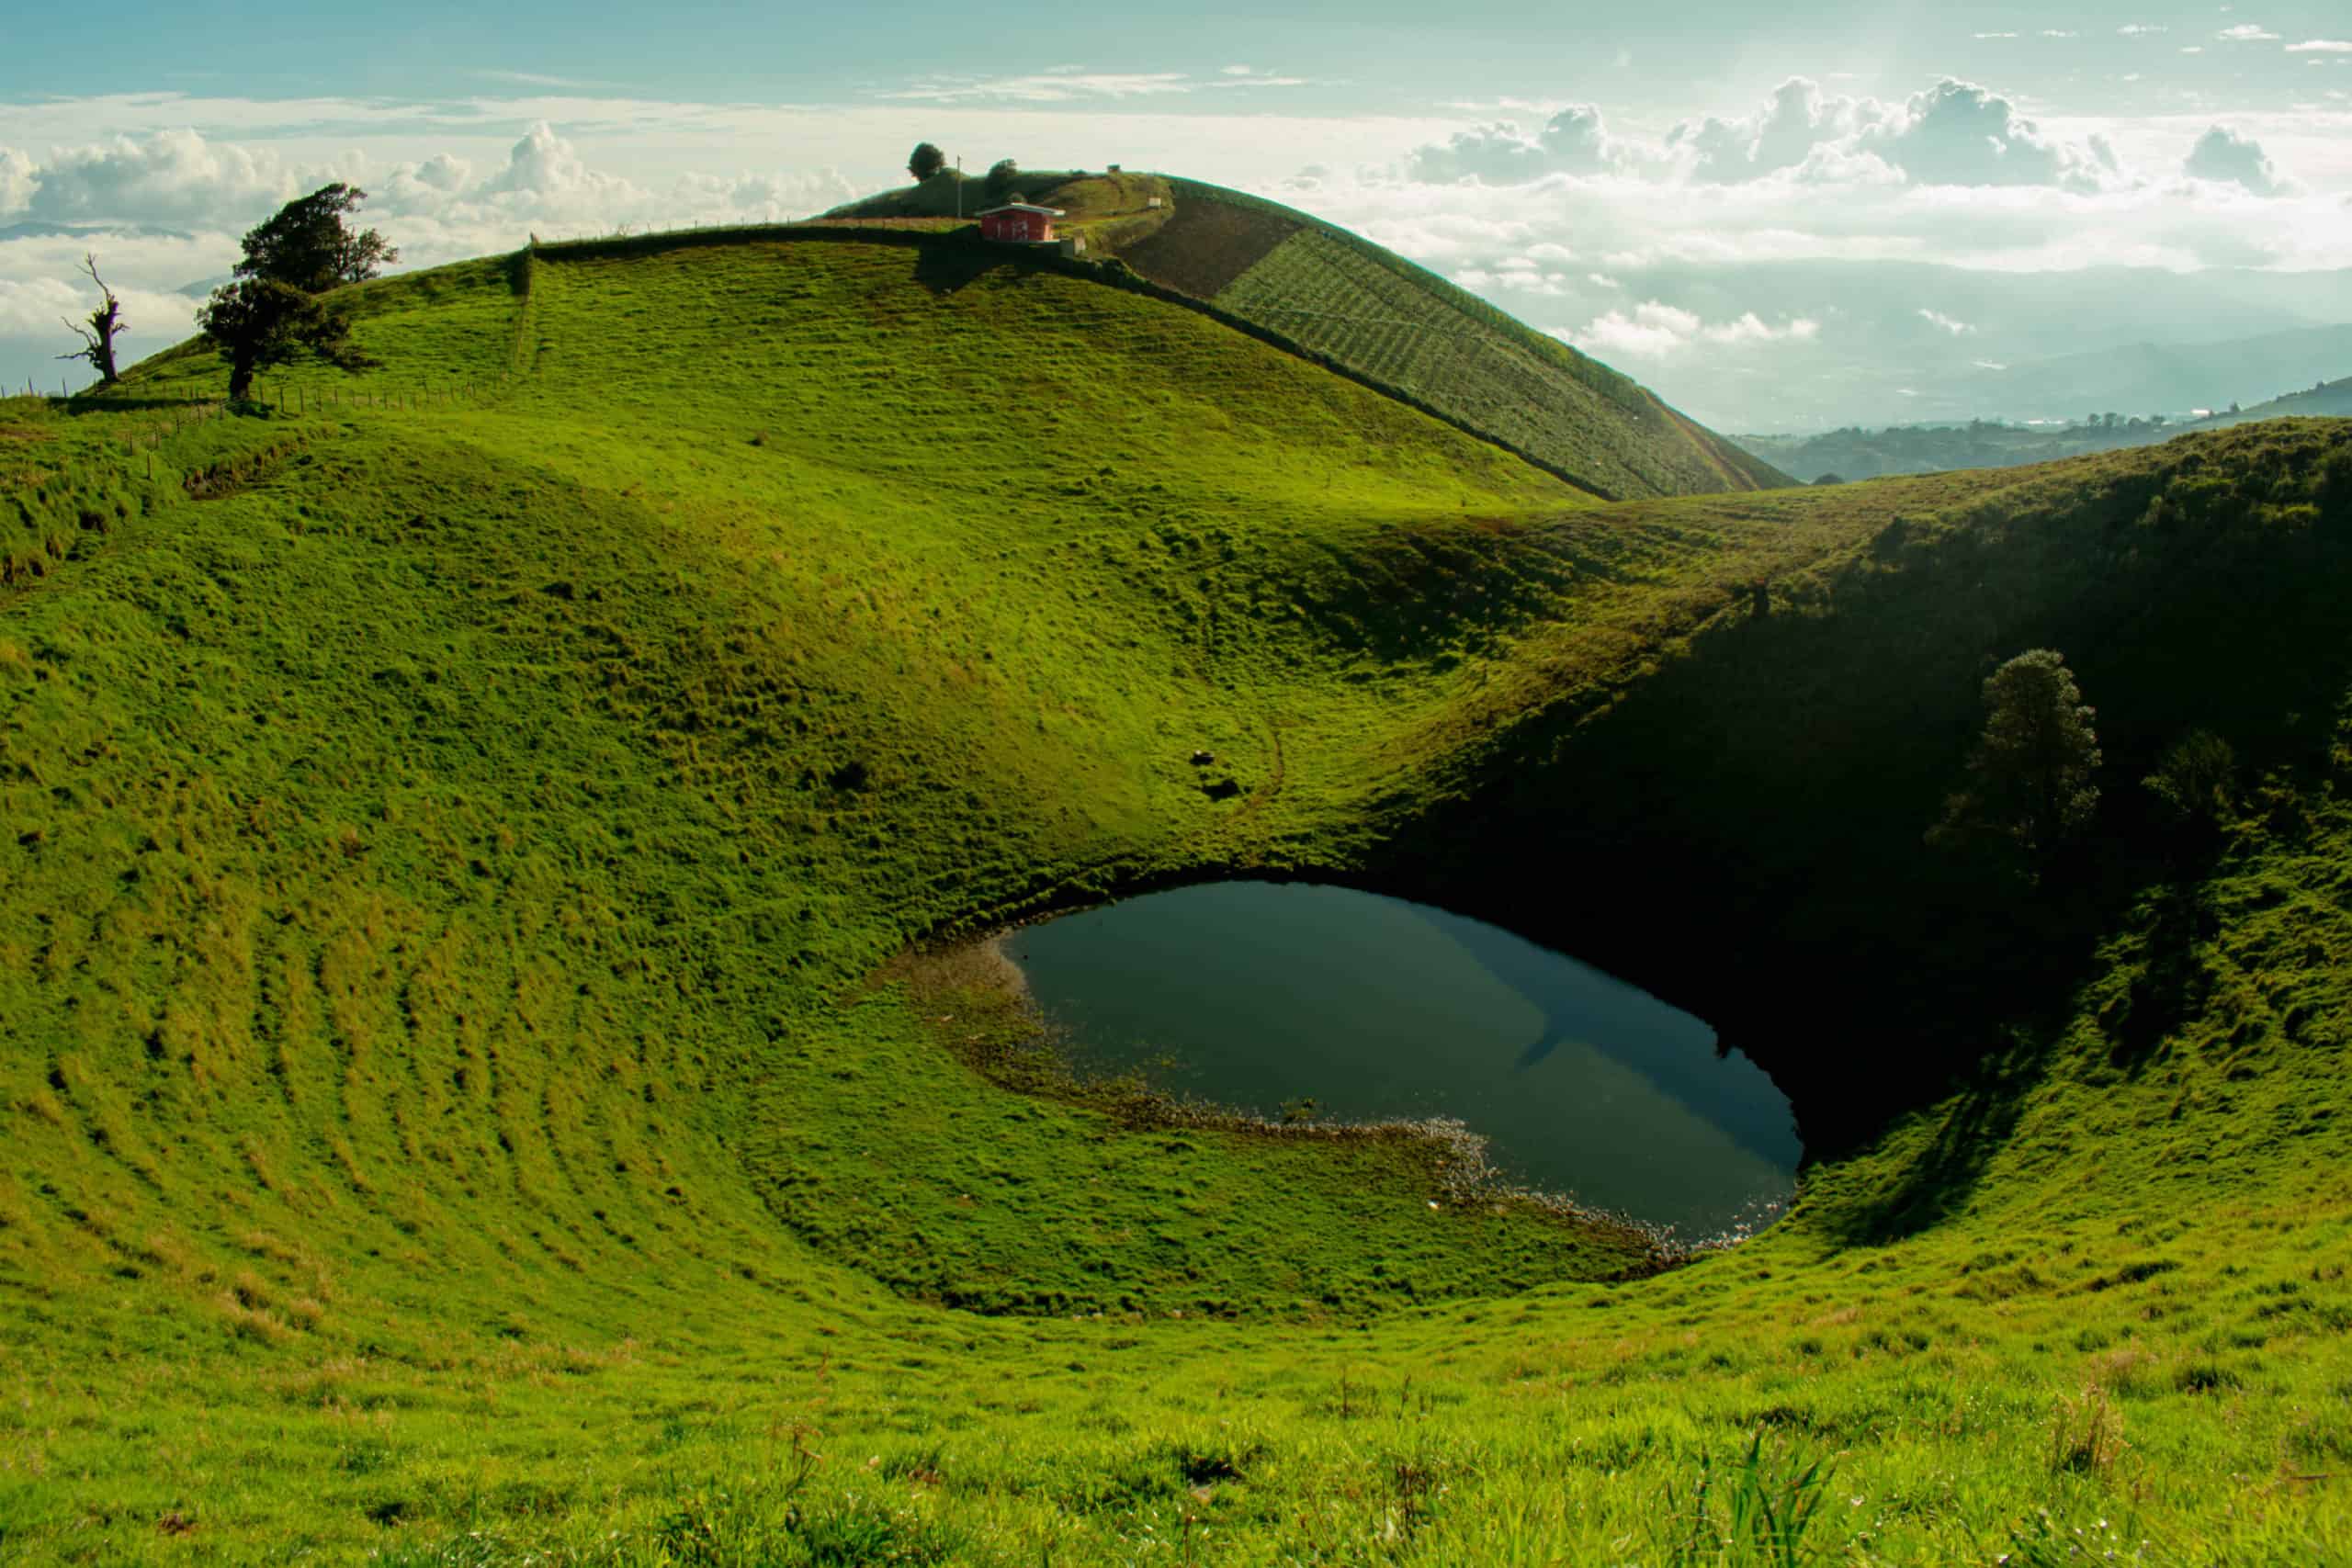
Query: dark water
x=1252, y=994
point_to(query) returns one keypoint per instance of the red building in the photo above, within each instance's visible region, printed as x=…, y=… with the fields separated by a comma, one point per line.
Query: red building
x=1020, y=224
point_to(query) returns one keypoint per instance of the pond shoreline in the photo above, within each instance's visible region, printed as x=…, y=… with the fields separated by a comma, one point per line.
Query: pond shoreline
x=1019, y=1048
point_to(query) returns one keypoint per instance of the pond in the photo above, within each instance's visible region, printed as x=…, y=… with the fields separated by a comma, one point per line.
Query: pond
x=1255, y=995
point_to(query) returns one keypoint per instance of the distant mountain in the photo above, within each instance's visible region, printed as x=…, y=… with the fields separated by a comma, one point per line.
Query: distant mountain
x=1858, y=454
x=2151, y=378
x=2326, y=399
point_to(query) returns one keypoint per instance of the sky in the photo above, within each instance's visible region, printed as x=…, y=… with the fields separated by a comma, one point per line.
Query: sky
x=1840, y=213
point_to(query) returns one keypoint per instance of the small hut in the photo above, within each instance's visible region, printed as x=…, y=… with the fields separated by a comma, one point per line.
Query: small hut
x=1020, y=223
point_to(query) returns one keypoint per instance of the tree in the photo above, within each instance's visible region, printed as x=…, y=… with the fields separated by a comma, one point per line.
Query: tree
x=307, y=246
x=259, y=322
x=2033, y=768
x=925, y=162
x=103, y=325
x=1001, y=173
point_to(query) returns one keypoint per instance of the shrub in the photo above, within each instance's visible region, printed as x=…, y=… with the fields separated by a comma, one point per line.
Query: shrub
x=2196, y=783
x=2085, y=1434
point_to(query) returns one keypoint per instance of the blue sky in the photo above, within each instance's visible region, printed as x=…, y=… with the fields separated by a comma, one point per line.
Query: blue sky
x=1772, y=216
x=1374, y=56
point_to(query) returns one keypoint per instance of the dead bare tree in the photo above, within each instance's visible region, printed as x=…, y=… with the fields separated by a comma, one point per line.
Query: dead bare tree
x=99, y=329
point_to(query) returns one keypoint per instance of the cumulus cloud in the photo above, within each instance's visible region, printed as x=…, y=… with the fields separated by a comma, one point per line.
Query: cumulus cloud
x=1959, y=133
x=1946, y=324
x=1954, y=134
x=2247, y=32
x=1781, y=134
x=2321, y=46
x=543, y=164
x=170, y=176
x=17, y=182
x=1574, y=141
x=2225, y=157
x=1653, y=330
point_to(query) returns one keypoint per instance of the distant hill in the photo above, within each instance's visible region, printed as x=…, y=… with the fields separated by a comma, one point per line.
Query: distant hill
x=1858, y=454
x=2330, y=400
x=2144, y=377
x=1398, y=323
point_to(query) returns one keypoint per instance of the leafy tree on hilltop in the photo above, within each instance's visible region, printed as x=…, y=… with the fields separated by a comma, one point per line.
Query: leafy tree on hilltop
x=258, y=322
x=99, y=328
x=2033, y=768
x=1001, y=173
x=307, y=246
x=925, y=162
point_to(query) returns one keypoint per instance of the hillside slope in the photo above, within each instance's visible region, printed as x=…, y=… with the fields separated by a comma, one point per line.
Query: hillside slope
x=1338, y=293
x=1399, y=324
x=461, y=1104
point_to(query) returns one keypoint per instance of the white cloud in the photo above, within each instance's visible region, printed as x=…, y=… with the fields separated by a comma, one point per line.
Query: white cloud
x=2247, y=32
x=1059, y=84
x=1953, y=133
x=1946, y=324
x=17, y=182
x=2225, y=157
x=171, y=176
x=2321, y=46
x=2059, y=32
x=1575, y=141
x=2192, y=49
x=1653, y=330
x=39, y=307
x=534, y=79
x=1993, y=35
x=2141, y=29
x=1959, y=133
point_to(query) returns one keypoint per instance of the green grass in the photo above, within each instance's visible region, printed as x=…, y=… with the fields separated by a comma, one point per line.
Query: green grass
x=459, y=1104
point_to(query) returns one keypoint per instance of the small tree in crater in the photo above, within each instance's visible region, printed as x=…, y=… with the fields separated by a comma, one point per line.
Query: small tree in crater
x=2032, y=772
x=99, y=328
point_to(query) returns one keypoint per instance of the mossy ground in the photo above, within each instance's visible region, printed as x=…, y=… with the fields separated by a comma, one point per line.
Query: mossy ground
x=447, y=855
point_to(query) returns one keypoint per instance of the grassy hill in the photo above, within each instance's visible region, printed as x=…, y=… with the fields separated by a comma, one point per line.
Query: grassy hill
x=466, y=1099
x=1399, y=324
x=2327, y=399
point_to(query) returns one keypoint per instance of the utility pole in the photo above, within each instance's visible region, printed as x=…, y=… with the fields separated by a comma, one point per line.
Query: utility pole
x=959, y=189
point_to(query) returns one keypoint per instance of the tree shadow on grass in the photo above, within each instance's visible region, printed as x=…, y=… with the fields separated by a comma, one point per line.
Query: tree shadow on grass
x=1940, y=1177
x=946, y=268
x=2173, y=981
x=76, y=407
